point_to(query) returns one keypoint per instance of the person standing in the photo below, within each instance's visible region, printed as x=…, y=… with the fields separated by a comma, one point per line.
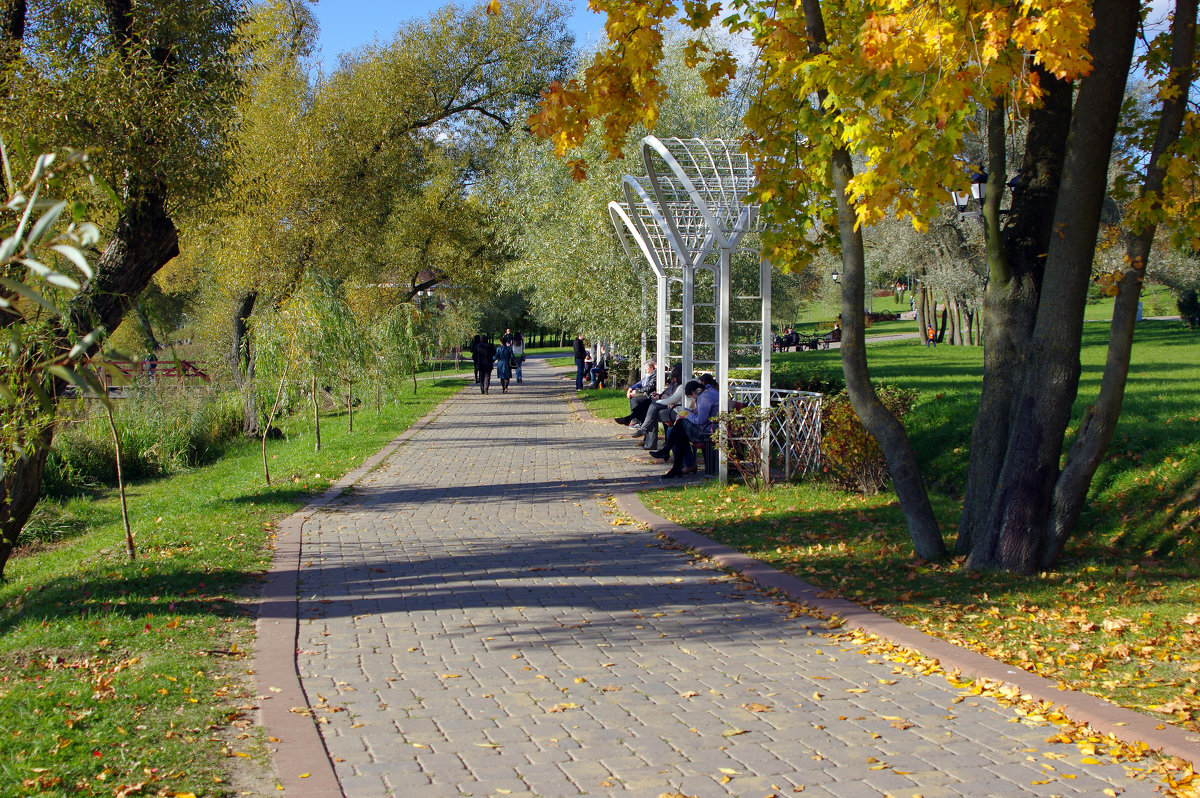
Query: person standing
x=477, y=358
x=487, y=355
x=504, y=362
x=581, y=354
x=518, y=347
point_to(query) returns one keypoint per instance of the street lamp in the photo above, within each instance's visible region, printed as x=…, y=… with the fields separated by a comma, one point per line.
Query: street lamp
x=978, y=193
x=962, y=200
x=835, y=275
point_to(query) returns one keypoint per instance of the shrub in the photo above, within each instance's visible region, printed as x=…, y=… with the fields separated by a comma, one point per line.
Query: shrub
x=881, y=315
x=1189, y=307
x=162, y=430
x=849, y=455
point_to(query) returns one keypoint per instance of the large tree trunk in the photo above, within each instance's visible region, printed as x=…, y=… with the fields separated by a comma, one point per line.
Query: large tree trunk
x=20, y=490
x=144, y=240
x=1010, y=301
x=1016, y=534
x=1100, y=420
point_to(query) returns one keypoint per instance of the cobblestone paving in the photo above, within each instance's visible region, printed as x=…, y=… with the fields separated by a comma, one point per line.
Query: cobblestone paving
x=472, y=624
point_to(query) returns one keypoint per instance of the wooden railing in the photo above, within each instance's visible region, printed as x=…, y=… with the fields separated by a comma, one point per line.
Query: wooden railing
x=183, y=372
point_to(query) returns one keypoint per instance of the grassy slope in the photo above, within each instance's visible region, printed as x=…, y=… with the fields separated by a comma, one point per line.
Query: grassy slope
x=1118, y=616
x=115, y=673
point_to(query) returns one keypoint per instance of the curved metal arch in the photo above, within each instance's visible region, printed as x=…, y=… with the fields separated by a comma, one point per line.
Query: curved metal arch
x=620, y=219
x=652, y=145
x=713, y=177
x=637, y=198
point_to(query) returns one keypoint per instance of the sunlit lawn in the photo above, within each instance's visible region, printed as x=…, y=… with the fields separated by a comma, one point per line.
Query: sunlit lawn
x=116, y=673
x=1118, y=617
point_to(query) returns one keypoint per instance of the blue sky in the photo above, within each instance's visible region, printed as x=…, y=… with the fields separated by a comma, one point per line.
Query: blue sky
x=346, y=24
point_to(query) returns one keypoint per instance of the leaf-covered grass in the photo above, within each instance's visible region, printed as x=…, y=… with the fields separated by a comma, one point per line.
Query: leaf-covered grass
x=1119, y=615
x=117, y=673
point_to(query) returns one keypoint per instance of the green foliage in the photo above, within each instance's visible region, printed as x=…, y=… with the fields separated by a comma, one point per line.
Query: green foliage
x=162, y=430
x=41, y=252
x=150, y=101
x=849, y=455
x=1189, y=307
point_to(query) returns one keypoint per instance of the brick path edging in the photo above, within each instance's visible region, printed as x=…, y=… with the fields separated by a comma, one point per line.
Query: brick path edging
x=299, y=757
x=1101, y=715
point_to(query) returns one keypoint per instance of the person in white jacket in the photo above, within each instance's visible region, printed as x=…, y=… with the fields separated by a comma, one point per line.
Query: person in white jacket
x=663, y=409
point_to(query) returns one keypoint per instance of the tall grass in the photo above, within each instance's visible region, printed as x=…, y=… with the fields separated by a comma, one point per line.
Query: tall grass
x=163, y=430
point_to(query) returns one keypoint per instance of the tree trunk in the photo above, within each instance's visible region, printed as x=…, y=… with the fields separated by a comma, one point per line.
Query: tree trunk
x=1017, y=532
x=878, y=420
x=21, y=488
x=145, y=326
x=350, y=404
x=1015, y=267
x=242, y=355
x=267, y=429
x=130, y=549
x=1100, y=420
x=316, y=403
x=144, y=239
x=920, y=295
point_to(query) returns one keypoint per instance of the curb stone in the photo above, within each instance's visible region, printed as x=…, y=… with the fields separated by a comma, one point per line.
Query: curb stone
x=298, y=754
x=1101, y=715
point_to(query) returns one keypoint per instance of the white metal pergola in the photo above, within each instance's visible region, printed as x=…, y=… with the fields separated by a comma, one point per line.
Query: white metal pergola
x=689, y=215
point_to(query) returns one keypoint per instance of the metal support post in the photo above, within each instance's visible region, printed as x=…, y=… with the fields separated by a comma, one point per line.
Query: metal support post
x=663, y=344
x=724, y=286
x=764, y=291
x=688, y=333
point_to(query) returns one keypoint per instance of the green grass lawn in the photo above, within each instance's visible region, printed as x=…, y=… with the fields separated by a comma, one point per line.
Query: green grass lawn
x=1118, y=617
x=116, y=673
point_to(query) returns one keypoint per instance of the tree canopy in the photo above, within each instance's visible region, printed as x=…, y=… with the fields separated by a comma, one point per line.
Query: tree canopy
x=863, y=112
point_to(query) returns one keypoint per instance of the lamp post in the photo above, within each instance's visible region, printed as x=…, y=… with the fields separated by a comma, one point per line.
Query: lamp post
x=965, y=200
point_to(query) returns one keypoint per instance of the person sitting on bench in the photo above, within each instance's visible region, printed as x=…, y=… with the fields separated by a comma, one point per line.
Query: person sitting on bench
x=696, y=426
x=662, y=409
x=639, y=396
x=599, y=371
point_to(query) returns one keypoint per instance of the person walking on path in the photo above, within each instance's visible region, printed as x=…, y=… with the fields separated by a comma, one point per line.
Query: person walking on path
x=581, y=354
x=477, y=358
x=487, y=356
x=518, y=347
x=504, y=362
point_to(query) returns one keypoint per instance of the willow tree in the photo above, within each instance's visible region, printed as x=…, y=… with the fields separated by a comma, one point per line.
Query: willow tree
x=148, y=89
x=896, y=86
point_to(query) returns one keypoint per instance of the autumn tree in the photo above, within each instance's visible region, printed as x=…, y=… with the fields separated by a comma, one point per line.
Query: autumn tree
x=148, y=89
x=896, y=87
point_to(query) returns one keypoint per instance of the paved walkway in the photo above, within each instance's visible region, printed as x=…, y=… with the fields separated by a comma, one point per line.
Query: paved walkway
x=473, y=624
